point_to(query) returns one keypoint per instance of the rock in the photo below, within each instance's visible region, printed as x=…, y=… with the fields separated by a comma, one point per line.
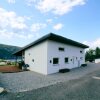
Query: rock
x=1, y=90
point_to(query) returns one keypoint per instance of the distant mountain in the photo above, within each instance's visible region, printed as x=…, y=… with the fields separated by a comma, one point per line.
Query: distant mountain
x=6, y=51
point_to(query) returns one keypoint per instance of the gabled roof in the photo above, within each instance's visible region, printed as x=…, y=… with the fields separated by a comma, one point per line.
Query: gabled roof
x=52, y=37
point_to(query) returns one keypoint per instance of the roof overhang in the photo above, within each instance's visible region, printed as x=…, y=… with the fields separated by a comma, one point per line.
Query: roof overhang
x=52, y=37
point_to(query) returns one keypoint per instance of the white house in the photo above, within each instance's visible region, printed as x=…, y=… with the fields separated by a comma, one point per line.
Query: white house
x=51, y=53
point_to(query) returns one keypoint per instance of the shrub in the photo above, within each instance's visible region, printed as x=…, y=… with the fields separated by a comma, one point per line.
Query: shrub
x=64, y=70
x=8, y=63
x=84, y=65
x=20, y=64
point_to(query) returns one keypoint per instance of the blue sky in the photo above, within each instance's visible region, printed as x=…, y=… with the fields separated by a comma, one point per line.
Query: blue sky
x=23, y=21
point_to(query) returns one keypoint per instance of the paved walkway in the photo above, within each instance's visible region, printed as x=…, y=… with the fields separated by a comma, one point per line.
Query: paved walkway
x=25, y=81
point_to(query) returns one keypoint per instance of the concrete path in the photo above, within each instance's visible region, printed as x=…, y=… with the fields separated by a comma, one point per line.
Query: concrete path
x=25, y=81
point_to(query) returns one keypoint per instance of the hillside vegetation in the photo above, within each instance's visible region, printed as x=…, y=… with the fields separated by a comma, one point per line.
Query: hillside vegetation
x=6, y=51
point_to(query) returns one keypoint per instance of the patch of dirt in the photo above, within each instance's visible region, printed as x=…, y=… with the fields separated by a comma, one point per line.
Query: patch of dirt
x=9, y=69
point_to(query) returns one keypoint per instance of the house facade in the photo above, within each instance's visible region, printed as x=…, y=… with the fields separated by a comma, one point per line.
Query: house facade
x=51, y=53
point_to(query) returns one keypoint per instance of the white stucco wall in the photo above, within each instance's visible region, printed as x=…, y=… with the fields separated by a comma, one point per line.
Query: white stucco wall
x=46, y=51
x=37, y=53
x=70, y=51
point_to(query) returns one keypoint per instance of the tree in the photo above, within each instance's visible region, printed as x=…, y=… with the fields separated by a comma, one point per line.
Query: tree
x=87, y=56
x=97, y=52
x=90, y=56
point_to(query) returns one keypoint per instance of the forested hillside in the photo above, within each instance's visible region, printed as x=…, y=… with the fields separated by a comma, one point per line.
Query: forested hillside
x=6, y=51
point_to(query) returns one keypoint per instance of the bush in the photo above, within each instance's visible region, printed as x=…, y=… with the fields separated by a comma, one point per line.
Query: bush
x=84, y=65
x=64, y=70
x=8, y=63
x=21, y=63
x=1, y=60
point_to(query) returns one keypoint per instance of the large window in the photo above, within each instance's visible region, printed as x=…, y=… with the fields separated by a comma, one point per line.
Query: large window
x=55, y=60
x=61, y=49
x=66, y=60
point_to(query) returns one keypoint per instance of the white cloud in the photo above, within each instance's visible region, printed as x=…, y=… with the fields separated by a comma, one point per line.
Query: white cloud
x=10, y=34
x=22, y=36
x=10, y=19
x=58, y=26
x=11, y=1
x=30, y=2
x=4, y=33
x=49, y=20
x=37, y=26
x=11, y=24
x=93, y=44
x=14, y=26
x=58, y=7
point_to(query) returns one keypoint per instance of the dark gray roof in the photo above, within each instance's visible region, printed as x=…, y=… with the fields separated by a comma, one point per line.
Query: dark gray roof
x=52, y=37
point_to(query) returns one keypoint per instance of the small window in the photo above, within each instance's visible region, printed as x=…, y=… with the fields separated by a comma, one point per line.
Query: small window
x=81, y=58
x=55, y=60
x=61, y=49
x=33, y=60
x=81, y=51
x=70, y=59
x=50, y=61
x=66, y=60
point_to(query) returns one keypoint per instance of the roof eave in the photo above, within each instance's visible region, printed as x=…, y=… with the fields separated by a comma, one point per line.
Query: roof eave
x=53, y=37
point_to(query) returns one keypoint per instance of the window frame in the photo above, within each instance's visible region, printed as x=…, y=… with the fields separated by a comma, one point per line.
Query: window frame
x=55, y=62
x=61, y=49
x=67, y=60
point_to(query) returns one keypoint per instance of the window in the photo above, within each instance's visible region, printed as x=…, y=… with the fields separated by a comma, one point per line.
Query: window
x=81, y=58
x=70, y=59
x=81, y=51
x=55, y=60
x=66, y=60
x=50, y=61
x=61, y=49
x=33, y=60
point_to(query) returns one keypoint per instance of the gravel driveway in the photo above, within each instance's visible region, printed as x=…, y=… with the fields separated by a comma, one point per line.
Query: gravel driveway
x=25, y=81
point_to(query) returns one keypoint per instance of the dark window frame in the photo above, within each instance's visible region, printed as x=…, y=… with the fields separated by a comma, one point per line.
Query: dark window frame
x=55, y=61
x=61, y=49
x=66, y=59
